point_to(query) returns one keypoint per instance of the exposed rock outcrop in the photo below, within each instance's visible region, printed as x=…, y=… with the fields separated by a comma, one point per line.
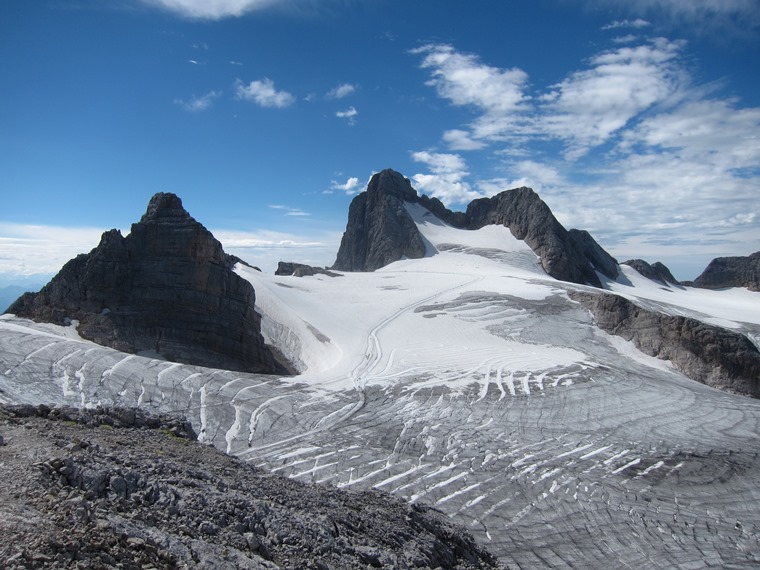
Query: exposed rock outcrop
x=301, y=270
x=722, y=272
x=381, y=231
x=167, y=287
x=76, y=495
x=709, y=354
x=656, y=271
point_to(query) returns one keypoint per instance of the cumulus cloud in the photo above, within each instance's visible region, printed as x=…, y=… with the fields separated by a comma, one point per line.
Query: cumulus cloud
x=340, y=91
x=445, y=180
x=350, y=186
x=263, y=93
x=349, y=114
x=201, y=103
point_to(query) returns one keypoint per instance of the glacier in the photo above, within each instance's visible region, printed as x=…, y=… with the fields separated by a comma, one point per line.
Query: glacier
x=469, y=380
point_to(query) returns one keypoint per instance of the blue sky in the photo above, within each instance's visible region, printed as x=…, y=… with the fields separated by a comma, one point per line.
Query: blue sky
x=637, y=120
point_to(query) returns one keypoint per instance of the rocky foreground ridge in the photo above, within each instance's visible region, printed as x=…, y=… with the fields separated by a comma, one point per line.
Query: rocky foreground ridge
x=168, y=288
x=114, y=487
x=380, y=230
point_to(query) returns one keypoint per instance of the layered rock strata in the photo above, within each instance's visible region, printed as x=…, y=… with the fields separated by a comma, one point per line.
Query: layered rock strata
x=167, y=288
x=723, y=272
x=709, y=354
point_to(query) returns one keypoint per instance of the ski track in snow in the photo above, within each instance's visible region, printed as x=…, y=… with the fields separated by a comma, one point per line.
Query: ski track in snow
x=468, y=381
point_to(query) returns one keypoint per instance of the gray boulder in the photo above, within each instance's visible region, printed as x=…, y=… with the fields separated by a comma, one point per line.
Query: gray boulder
x=289, y=268
x=167, y=287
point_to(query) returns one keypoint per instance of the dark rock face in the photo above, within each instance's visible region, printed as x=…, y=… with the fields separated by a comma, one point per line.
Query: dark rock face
x=595, y=253
x=141, y=495
x=656, y=271
x=530, y=219
x=301, y=270
x=725, y=272
x=380, y=230
x=166, y=287
x=708, y=354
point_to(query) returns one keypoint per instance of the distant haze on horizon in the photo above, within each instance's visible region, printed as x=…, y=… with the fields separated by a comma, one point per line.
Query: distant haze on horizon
x=635, y=120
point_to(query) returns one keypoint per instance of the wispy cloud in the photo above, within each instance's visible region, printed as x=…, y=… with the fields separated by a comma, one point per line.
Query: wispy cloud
x=211, y=9
x=739, y=18
x=349, y=114
x=266, y=248
x=627, y=146
x=288, y=211
x=637, y=23
x=201, y=103
x=263, y=93
x=340, y=91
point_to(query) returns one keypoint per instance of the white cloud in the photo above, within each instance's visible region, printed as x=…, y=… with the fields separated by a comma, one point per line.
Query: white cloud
x=263, y=93
x=199, y=103
x=350, y=186
x=211, y=9
x=349, y=114
x=446, y=180
x=264, y=249
x=28, y=249
x=627, y=147
x=464, y=80
x=591, y=105
x=637, y=23
x=341, y=91
x=288, y=211
x=457, y=139
x=734, y=17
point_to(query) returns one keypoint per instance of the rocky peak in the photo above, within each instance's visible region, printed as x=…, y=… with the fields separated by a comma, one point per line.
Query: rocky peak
x=167, y=287
x=740, y=271
x=379, y=229
x=656, y=271
x=165, y=207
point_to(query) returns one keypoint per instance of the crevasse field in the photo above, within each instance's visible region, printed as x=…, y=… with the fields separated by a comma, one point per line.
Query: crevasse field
x=470, y=381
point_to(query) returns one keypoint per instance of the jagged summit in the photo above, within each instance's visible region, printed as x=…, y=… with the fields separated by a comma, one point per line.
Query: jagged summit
x=165, y=207
x=380, y=230
x=167, y=288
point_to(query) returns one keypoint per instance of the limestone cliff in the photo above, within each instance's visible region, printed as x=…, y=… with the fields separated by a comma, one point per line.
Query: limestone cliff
x=166, y=287
x=380, y=230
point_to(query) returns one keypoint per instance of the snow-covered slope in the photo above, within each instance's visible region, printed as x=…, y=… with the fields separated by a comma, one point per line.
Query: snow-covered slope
x=469, y=380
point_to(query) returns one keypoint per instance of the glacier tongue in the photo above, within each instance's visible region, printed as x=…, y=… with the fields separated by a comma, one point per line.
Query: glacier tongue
x=470, y=382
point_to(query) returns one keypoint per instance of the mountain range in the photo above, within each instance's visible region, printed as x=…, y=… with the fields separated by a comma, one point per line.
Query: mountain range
x=509, y=372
